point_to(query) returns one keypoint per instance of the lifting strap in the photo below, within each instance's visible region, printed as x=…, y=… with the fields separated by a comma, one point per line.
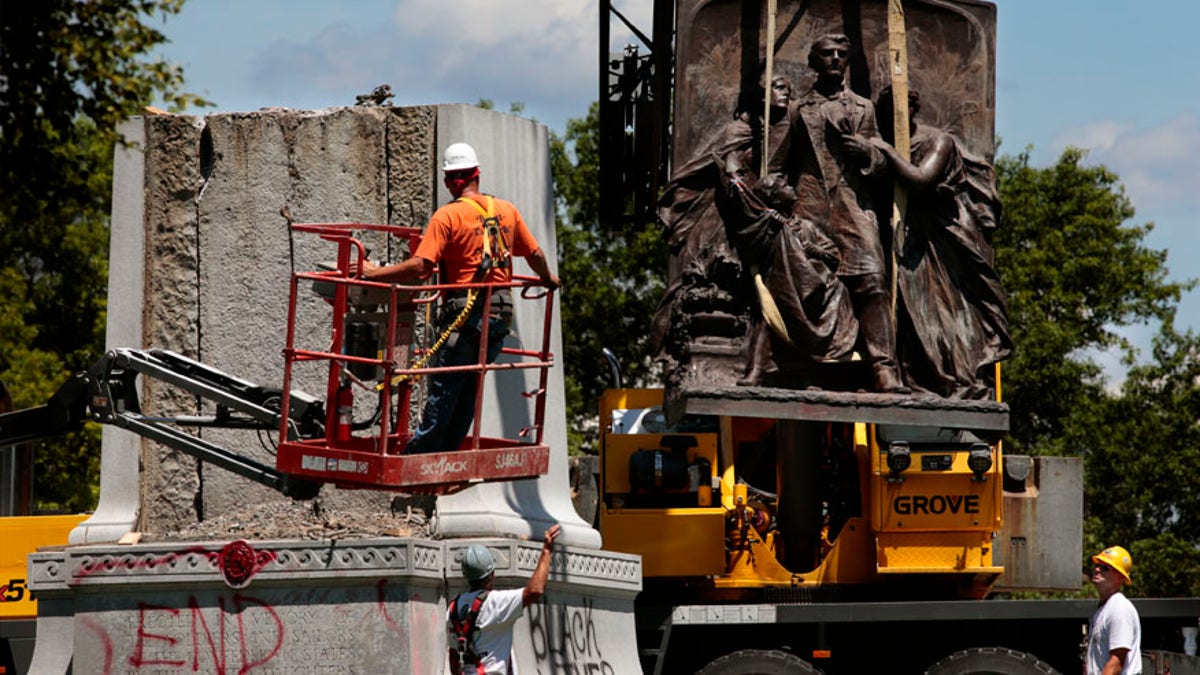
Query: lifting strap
x=898, y=59
x=465, y=631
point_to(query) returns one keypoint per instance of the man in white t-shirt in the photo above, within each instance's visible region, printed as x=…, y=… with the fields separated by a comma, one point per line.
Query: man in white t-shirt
x=480, y=622
x=1115, y=633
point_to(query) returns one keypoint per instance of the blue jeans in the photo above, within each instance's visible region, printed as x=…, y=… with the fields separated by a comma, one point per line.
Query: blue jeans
x=450, y=397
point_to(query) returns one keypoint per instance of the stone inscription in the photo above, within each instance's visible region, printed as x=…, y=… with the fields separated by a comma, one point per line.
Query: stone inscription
x=241, y=632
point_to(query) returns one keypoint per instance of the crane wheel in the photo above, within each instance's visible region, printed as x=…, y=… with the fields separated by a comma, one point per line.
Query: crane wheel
x=758, y=662
x=991, y=661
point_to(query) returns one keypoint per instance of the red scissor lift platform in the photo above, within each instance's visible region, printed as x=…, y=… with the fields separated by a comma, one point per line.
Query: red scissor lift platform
x=352, y=456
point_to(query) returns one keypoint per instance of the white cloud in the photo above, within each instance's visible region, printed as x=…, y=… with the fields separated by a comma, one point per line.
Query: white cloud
x=1096, y=136
x=1159, y=165
x=542, y=53
x=528, y=47
x=466, y=24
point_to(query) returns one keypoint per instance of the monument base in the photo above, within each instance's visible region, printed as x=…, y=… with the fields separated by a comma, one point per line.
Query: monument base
x=361, y=606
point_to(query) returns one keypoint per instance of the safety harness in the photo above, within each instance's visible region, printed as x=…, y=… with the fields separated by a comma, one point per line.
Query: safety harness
x=495, y=254
x=465, y=630
x=495, y=249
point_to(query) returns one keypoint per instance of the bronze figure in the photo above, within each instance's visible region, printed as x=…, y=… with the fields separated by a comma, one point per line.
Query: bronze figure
x=951, y=310
x=803, y=310
x=706, y=292
x=836, y=161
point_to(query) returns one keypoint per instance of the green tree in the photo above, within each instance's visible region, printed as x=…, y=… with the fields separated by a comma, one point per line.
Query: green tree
x=1073, y=271
x=69, y=73
x=1143, y=492
x=514, y=108
x=612, y=281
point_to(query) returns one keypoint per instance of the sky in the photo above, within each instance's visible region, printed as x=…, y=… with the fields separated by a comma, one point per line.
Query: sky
x=1120, y=79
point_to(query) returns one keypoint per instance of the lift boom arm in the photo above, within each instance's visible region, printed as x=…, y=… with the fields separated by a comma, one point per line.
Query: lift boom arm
x=107, y=393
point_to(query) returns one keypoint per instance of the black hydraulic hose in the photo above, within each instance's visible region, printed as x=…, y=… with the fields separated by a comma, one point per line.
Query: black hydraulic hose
x=614, y=368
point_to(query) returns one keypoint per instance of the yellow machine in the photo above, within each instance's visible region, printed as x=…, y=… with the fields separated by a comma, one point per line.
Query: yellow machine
x=741, y=506
x=19, y=535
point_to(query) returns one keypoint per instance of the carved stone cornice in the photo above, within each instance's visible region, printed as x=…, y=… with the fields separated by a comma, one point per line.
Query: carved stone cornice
x=238, y=562
x=617, y=572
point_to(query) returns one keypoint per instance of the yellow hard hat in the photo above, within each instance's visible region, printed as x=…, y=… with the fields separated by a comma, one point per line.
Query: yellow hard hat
x=1116, y=558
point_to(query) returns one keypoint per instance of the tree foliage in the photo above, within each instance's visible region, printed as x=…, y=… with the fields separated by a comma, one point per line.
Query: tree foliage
x=69, y=73
x=1141, y=462
x=1074, y=270
x=612, y=281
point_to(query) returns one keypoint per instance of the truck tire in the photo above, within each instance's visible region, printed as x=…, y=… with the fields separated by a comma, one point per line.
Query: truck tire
x=758, y=662
x=991, y=661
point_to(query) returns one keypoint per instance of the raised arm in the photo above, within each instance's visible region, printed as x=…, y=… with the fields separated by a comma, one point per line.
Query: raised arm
x=535, y=588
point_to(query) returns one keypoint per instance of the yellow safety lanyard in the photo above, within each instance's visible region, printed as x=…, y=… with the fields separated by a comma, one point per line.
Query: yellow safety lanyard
x=495, y=248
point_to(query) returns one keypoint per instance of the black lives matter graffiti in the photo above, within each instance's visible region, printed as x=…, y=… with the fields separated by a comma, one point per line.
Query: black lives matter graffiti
x=565, y=639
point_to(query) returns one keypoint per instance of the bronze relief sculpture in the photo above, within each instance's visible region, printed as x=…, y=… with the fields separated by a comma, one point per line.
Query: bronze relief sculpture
x=784, y=280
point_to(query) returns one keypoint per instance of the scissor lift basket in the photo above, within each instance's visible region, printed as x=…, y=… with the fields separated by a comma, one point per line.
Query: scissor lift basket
x=351, y=456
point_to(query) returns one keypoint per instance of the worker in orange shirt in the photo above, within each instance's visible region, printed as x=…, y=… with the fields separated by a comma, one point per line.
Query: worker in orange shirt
x=473, y=240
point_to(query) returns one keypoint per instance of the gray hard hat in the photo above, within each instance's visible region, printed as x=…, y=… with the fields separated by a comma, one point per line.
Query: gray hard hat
x=477, y=563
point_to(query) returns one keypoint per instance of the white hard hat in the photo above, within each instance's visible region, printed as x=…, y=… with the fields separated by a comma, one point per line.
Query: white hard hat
x=459, y=156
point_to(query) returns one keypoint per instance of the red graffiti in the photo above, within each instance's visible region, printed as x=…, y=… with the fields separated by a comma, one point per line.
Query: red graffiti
x=239, y=562
x=88, y=568
x=238, y=605
x=225, y=634
x=105, y=640
x=381, y=600
x=138, y=659
x=156, y=649
x=218, y=654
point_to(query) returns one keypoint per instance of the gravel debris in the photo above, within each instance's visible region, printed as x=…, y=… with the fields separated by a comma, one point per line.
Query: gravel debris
x=312, y=520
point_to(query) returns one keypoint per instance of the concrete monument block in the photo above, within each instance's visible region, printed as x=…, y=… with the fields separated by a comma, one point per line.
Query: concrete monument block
x=205, y=259
x=170, y=309
x=152, y=299
x=371, y=606
x=365, y=606
x=327, y=166
x=413, y=167
x=201, y=260
x=515, y=164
